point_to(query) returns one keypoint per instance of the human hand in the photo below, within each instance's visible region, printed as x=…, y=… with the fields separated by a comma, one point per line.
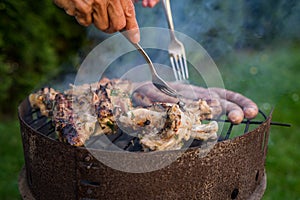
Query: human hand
x=236, y=106
x=107, y=15
x=148, y=3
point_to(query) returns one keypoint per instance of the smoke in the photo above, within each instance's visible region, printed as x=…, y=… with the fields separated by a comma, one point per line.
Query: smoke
x=224, y=26
x=221, y=27
x=214, y=24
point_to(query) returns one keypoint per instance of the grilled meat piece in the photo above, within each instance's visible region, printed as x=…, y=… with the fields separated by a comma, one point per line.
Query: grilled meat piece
x=43, y=100
x=165, y=126
x=73, y=118
x=104, y=107
x=176, y=129
x=93, y=111
x=140, y=121
x=113, y=99
x=205, y=131
x=83, y=110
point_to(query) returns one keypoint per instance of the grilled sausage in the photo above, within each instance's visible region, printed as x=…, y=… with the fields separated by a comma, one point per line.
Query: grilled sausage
x=147, y=94
x=250, y=109
x=234, y=113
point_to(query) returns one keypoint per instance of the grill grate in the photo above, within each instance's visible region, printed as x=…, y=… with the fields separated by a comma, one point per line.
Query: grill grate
x=248, y=124
x=128, y=142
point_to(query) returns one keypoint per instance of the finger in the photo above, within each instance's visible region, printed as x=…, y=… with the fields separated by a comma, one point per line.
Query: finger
x=250, y=108
x=149, y=3
x=100, y=14
x=62, y=3
x=234, y=113
x=132, y=27
x=152, y=3
x=116, y=16
x=83, y=11
x=67, y=5
x=145, y=3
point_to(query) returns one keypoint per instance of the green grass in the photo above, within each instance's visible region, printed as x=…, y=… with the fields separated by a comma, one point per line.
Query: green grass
x=11, y=159
x=283, y=157
x=269, y=77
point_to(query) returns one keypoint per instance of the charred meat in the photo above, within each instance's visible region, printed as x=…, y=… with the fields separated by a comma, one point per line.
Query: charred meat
x=106, y=106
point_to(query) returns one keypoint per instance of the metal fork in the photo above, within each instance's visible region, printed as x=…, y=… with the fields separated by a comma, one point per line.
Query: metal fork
x=157, y=81
x=176, y=48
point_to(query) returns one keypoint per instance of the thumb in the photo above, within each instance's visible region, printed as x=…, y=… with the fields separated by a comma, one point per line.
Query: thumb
x=132, y=27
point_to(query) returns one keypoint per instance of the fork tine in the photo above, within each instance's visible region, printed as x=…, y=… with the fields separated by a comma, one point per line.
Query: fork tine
x=176, y=48
x=178, y=68
x=164, y=87
x=171, y=90
x=182, y=70
x=173, y=67
x=168, y=92
x=185, y=66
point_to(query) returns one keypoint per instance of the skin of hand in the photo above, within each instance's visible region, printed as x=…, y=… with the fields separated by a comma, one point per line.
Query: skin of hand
x=236, y=106
x=148, y=3
x=107, y=15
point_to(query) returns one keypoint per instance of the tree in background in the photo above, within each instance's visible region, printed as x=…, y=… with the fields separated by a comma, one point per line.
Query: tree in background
x=36, y=38
x=266, y=21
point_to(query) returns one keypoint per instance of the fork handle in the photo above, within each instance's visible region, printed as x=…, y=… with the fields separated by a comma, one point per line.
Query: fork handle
x=146, y=57
x=143, y=53
x=168, y=12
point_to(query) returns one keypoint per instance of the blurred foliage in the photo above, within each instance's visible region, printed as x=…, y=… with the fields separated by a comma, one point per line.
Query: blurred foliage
x=270, y=78
x=265, y=21
x=35, y=39
x=12, y=159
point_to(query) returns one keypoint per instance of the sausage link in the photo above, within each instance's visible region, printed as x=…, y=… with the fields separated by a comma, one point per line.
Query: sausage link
x=234, y=113
x=250, y=108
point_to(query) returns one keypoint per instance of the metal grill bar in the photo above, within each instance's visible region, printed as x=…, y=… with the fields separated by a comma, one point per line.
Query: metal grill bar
x=131, y=143
x=229, y=132
x=247, y=126
x=134, y=145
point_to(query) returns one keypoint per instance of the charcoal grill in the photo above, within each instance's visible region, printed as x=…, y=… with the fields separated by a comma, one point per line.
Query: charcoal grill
x=233, y=169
